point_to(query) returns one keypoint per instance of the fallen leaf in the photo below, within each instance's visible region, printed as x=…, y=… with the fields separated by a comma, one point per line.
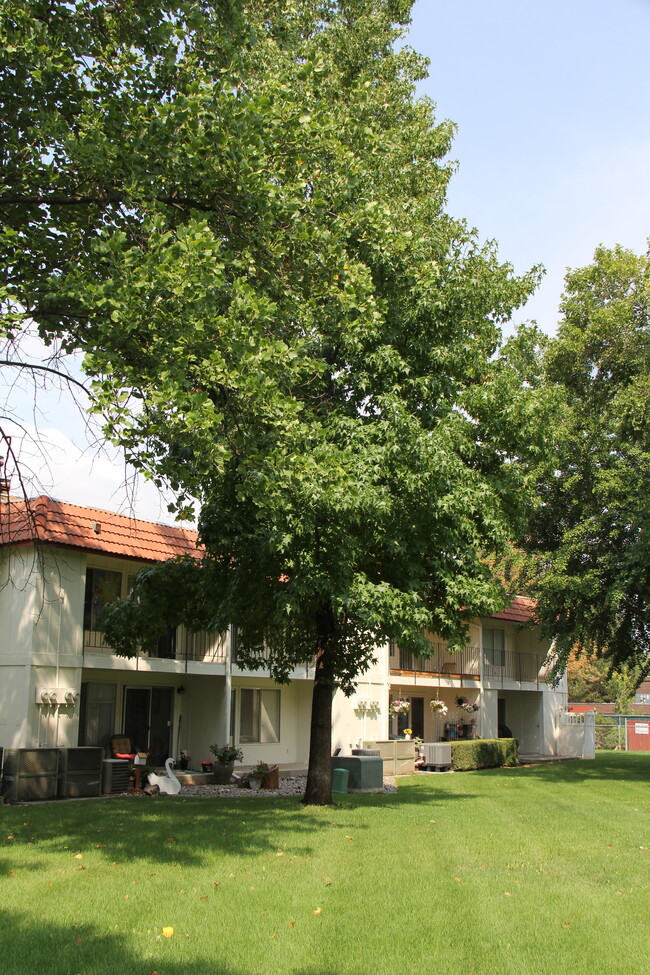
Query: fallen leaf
x=10, y=837
x=78, y=856
x=319, y=910
x=82, y=867
x=13, y=874
x=78, y=940
x=327, y=881
x=274, y=935
x=170, y=839
x=167, y=932
x=566, y=924
x=280, y=853
x=292, y=924
x=349, y=838
x=126, y=897
x=203, y=897
x=216, y=883
x=458, y=880
x=100, y=846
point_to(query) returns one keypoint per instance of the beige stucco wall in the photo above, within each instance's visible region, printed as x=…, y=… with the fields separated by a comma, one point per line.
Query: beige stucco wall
x=363, y=715
x=41, y=608
x=295, y=714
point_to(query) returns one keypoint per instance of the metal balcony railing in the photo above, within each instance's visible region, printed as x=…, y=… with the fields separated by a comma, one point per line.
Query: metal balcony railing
x=177, y=645
x=498, y=665
x=513, y=665
x=462, y=663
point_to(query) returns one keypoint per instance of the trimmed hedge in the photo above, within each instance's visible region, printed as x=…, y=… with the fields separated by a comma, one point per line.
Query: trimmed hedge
x=484, y=753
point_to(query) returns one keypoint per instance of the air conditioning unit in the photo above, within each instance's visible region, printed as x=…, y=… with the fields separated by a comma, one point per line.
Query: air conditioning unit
x=115, y=776
x=437, y=755
x=30, y=774
x=80, y=772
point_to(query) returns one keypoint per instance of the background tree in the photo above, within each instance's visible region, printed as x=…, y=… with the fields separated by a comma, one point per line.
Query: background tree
x=236, y=212
x=589, y=530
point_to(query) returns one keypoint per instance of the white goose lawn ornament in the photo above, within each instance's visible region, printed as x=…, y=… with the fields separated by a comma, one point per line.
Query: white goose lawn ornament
x=168, y=784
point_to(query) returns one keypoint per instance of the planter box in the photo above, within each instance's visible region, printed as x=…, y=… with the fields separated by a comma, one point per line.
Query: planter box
x=398, y=756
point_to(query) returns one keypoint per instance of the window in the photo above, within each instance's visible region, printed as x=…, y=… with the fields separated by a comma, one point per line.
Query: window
x=103, y=587
x=259, y=715
x=494, y=646
x=97, y=713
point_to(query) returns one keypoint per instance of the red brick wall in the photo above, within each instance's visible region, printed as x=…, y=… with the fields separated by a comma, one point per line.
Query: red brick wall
x=637, y=741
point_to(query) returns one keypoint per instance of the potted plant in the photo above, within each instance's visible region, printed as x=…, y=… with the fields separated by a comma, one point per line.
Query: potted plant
x=226, y=756
x=257, y=775
x=438, y=707
x=399, y=707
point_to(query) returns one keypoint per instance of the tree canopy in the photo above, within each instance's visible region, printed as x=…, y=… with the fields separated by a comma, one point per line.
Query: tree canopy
x=235, y=211
x=589, y=530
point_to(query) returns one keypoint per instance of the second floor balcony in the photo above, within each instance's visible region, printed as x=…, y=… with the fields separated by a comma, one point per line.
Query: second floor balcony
x=497, y=665
x=178, y=644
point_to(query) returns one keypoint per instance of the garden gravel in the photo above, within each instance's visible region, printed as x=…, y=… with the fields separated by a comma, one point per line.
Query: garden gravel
x=289, y=787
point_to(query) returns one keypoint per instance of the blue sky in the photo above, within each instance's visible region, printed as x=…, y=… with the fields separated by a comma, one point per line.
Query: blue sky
x=553, y=141
x=553, y=151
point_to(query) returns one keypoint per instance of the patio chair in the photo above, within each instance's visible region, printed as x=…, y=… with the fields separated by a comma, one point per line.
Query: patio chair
x=121, y=747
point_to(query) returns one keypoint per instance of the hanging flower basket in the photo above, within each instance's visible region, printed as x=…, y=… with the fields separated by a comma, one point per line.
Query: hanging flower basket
x=470, y=707
x=399, y=707
x=438, y=707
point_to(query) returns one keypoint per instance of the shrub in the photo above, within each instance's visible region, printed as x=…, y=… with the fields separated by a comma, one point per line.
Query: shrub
x=484, y=753
x=607, y=732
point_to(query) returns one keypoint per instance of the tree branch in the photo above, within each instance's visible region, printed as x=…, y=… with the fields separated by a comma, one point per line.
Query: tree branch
x=54, y=372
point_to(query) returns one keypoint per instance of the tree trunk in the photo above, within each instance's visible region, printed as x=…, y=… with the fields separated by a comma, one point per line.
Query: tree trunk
x=318, y=791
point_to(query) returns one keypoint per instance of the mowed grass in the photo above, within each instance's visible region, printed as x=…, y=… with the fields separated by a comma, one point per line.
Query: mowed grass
x=534, y=870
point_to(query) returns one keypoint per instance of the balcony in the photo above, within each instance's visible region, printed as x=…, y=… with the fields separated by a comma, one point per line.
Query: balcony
x=176, y=645
x=441, y=663
x=499, y=666
x=509, y=665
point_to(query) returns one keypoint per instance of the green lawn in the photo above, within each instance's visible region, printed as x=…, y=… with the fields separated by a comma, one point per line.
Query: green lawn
x=524, y=871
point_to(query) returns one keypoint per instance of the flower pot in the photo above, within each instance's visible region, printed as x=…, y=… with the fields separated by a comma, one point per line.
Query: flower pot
x=254, y=782
x=222, y=772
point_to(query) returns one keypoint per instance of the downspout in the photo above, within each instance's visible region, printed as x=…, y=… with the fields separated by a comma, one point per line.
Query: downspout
x=228, y=684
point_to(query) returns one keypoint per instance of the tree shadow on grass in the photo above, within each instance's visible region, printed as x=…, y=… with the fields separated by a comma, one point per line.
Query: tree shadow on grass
x=60, y=949
x=185, y=832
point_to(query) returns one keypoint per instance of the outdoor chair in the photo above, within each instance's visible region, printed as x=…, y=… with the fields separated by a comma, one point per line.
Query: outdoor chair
x=121, y=747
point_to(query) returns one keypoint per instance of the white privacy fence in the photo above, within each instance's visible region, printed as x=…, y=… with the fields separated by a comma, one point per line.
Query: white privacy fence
x=576, y=737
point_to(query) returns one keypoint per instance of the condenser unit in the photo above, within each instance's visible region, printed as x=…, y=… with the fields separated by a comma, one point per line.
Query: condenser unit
x=115, y=775
x=30, y=774
x=437, y=755
x=80, y=772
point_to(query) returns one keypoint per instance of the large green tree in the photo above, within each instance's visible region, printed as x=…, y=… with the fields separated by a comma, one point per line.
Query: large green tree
x=235, y=211
x=591, y=523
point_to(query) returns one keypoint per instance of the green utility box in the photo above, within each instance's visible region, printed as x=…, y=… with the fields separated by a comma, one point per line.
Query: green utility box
x=340, y=778
x=365, y=772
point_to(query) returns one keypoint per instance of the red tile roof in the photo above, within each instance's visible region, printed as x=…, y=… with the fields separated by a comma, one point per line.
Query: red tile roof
x=91, y=529
x=520, y=610
x=53, y=522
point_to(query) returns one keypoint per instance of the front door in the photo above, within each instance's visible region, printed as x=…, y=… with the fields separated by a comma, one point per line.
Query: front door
x=148, y=720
